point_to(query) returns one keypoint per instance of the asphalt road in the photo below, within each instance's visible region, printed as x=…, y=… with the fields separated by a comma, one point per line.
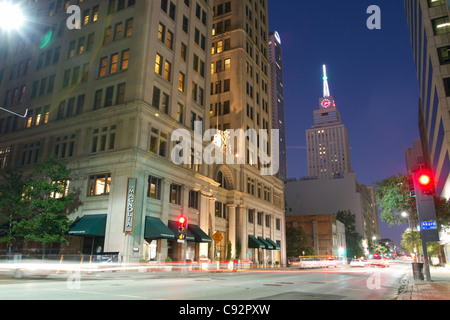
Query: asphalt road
x=343, y=283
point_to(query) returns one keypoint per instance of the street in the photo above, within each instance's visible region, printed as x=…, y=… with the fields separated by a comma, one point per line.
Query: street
x=342, y=283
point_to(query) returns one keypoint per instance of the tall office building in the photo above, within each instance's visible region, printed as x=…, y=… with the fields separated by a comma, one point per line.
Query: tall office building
x=327, y=143
x=106, y=98
x=277, y=97
x=240, y=99
x=429, y=27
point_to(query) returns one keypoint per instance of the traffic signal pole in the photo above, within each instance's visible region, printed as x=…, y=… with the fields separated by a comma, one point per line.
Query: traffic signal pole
x=426, y=211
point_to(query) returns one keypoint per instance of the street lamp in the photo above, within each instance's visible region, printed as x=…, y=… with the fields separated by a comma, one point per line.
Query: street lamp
x=11, y=16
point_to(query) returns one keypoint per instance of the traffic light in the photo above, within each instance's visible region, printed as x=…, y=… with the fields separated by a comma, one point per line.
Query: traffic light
x=182, y=225
x=425, y=181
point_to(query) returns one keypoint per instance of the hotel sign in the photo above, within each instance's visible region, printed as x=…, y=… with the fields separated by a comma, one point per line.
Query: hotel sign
x=130, y=205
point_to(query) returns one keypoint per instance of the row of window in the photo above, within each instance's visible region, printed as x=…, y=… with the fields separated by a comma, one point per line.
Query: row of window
x=259, y=219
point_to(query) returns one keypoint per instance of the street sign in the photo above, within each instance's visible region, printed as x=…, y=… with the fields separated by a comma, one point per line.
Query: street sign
x=429, y=225
x=217, y=237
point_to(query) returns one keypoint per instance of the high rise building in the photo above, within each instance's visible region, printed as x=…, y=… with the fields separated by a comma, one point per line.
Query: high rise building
x=429, y=27
x=107, y=98
x=240, y=99
x=277, y=97
x=327, y=143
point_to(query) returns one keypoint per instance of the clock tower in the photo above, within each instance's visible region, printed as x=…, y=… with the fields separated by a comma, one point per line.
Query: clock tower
x=327, y=140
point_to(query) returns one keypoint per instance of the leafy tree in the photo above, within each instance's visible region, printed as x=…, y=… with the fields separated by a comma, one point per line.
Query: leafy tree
x=393, y=198
x=297, y=242
x=44, y=204
x=411, y=241
x=352, y=238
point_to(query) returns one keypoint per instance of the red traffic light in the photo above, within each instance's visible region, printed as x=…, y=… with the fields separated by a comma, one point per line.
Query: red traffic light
x=424, y=179
x=181, y=221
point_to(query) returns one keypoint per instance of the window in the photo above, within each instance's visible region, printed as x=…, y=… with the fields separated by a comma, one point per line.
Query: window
x=103, y=139
x=175, y=194
x=193, y=199
x=64, y=146
x=114, y=63
x=103, y=64
x=118, y=31
x=259, y=218
x=181, y=82
x=154, y=188
x=109, y=96
x=444, y=55
x=161, y=32
x=98, y=99
x=129, y=28
x=158, y=66
x=120, y=98
x=435, y=3
x=251, y=215
x=156, y=97
x=158, y=142
x=99, y=184
x=167, y=68
x=220, y=210
x=441, y=25
x=107, y=37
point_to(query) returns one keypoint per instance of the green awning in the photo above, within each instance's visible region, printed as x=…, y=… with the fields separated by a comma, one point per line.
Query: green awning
x=266, y=244
x=173, y=225
x=199, y=234
x=254, y=243
x=156, y=229
x=274, y=244
x=92, y=225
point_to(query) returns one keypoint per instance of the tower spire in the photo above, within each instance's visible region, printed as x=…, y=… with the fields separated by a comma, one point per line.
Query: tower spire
x=326, y=88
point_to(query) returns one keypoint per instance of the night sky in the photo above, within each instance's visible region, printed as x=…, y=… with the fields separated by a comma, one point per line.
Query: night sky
x=371, y=76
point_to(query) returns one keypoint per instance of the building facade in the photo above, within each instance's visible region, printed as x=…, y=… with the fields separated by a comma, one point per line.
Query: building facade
x=313, y=196
x=277, y=98
x=107, y=98
x=326, y=233
x=429, y=27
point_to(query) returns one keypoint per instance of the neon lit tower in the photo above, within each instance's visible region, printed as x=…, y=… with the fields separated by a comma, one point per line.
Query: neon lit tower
x=327, y=140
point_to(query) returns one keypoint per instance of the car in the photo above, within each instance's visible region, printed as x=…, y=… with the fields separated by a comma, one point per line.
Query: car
x=358, y=263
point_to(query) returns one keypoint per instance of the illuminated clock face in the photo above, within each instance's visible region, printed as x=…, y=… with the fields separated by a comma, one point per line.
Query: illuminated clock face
x=326, y=103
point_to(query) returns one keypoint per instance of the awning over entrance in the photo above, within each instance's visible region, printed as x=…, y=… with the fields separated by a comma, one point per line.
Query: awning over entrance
x=274, y=244
x=199, y=234
x=173, y=225
x=93, y=225
x=254, y=243
x=156, y=229
x=266, y=244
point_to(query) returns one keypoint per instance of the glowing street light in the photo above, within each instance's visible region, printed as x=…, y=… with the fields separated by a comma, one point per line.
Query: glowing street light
x=11, y=16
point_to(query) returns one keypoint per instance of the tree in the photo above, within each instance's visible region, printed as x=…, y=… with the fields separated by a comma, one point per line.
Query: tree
x=411, y=241
x=297, y=242
x=45, y=205
x=352, y=238
x=393, y=198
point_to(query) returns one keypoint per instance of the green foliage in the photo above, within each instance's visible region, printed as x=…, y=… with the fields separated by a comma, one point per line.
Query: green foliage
x=352, y=238
x=41, y=201
x=411, y=241
x=393, y=198
x=297, y=242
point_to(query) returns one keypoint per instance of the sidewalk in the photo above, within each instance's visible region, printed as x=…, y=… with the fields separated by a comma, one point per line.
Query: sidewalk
x=437, y=289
